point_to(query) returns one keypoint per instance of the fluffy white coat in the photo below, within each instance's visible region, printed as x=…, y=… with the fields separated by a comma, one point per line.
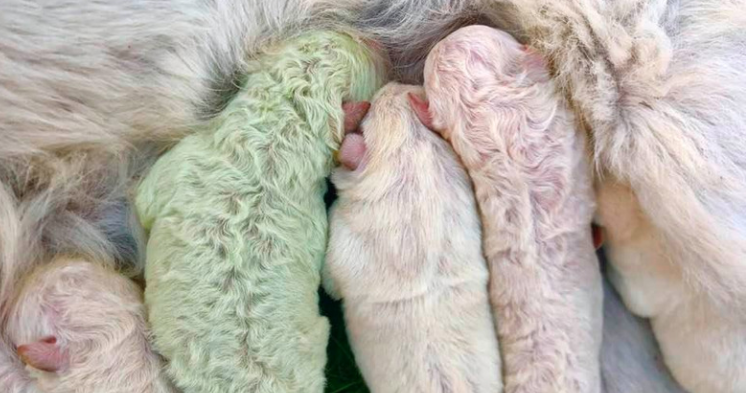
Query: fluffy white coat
x=405, y=257
x=80, y=327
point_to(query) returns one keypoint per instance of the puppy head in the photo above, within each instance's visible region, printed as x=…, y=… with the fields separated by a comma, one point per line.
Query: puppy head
x=71, y=316
x=322, y=69
x=472, y=66
x=386, y=147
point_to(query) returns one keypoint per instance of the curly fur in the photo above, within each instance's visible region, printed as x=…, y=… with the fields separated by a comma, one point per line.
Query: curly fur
x=658, y=84
x=493, y=101
x=405, y=257
x=661, y=87
x=238, y=224
x=92, y=89
x=72, y=212
x=92, y=312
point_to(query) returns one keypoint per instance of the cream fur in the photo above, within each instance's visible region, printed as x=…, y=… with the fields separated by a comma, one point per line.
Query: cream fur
x=703, y=344
x=98, y=319
x=405, y=257
x=659, y=86
x=494, y=102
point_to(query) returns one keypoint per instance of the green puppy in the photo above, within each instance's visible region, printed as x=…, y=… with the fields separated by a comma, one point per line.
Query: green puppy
x=238, y=226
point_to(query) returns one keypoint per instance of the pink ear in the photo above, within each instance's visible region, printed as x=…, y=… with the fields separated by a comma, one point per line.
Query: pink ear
x=354, y=114
x=422, y=109
x=352, y=151
x=44, y=355
x=534, y=64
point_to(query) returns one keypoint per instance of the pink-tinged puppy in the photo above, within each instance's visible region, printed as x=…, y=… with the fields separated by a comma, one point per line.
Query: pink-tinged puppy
x=493, y=100
x=80, y=327
x=405, y=256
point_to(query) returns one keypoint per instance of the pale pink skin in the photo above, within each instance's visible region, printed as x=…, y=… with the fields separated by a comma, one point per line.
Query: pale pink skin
x=79, y=327
x=493, y=100
x=405, y=257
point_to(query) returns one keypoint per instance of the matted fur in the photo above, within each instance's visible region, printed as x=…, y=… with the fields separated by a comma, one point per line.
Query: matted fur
x=405, y=257
x=98, y=319
x=238, y=224
x=493, y=101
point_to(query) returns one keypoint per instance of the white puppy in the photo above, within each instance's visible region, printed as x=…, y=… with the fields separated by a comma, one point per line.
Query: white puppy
x=80, y=327
x=405, y=256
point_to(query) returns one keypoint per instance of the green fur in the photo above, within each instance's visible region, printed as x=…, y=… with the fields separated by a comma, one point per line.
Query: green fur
x=238, y=226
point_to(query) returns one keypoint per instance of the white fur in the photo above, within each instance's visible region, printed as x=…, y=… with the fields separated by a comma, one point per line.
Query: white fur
x=494, y=102
x=91, y=92
x=703, y=344
x=658, y=84
x=99, y=75
x=405, y=256
x=98, y=319
x=661, y=87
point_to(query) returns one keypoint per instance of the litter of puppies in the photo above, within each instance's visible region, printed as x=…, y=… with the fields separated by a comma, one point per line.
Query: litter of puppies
x=162, y=187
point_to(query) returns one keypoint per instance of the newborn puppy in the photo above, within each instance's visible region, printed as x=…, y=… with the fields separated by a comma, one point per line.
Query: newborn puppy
x=238, y=225
x=493, y=100
x=80, y=327
x=405, y=256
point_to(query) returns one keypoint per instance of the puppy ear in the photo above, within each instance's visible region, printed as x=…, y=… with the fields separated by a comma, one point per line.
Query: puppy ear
x=422, y=109
x=44, y=355
x=354, y=114
x=534, y=65
x=352, y=151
